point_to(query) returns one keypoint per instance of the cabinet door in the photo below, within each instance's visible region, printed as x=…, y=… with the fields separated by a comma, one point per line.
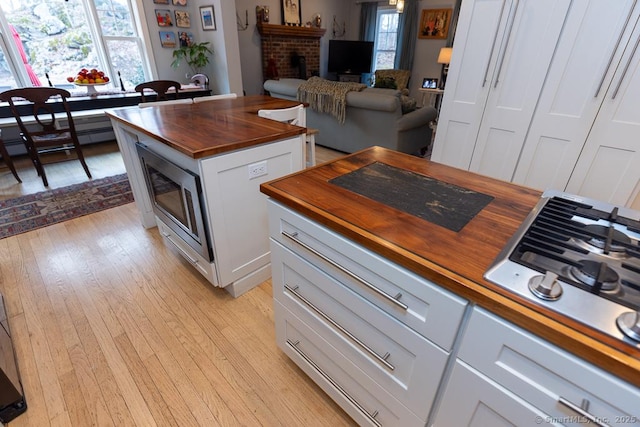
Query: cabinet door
x=609, y=165
x=481, y=27
x=471, y=399
x=579, y=76
x=517, y=81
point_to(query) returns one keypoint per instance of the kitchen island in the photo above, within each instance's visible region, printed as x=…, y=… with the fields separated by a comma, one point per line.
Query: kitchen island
x=227, y=151
x=389, y=312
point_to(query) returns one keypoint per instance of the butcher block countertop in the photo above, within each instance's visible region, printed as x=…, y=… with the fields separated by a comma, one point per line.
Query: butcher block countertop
x=456, y=260
x=213, y=127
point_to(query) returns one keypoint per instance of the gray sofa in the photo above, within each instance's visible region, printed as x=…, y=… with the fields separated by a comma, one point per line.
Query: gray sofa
x=373, y=117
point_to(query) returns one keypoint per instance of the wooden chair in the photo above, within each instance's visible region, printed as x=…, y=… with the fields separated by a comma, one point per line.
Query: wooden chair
x=48, y=133
x=295, y=116
x=7, y=158
x=160, y=87
x=198, y=99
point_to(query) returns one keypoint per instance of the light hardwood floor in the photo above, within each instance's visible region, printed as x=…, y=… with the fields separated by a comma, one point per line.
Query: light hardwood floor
x=112, y=328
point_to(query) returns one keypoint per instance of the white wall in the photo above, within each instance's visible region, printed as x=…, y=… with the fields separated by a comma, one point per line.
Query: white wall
x=224, y=71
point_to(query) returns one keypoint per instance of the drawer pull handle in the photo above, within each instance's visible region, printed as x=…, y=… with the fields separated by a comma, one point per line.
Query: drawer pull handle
x=583, y=412
x=349, y=273
x=294, y=346
x=189, y=258
x=381, y=359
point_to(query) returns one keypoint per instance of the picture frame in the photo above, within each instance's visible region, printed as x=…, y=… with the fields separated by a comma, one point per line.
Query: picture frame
x=434, y=23
x=163, y=17
x=182, y=19
x=429, y=83
x=161, y=1
x=291, y=12
x=207, y=18
x=168, y=39
x=179, y=2
x=185, y=38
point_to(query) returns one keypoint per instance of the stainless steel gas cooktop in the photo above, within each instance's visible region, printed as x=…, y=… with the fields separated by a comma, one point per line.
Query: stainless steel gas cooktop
x=578, y=257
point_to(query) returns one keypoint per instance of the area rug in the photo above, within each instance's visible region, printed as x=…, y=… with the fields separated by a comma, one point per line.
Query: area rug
x=38, y=210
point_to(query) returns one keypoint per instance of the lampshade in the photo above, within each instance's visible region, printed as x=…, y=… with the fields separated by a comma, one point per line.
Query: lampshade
x=445, y=55
x=393, y=2
x=400, y=6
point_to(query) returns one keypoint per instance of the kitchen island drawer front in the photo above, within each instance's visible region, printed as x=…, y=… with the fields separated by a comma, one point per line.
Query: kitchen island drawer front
x=204, y=267
x=473, y=400
x=545, y=376
x=430, y=310
x=362, y=398
x=404, y=363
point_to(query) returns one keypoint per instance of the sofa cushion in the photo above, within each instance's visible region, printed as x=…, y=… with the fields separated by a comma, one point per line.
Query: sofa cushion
x=408, y=104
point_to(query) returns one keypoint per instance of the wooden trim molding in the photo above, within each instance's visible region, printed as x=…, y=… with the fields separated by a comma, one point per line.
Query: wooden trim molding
x=290, y=31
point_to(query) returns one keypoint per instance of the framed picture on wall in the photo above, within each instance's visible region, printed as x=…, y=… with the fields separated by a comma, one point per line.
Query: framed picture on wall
x=179, y=2
x=434, y=23
x=208, y=18
x=168, y=39
x=182, y=19
x=185, y=38
x=163, y=16
x=291, y=13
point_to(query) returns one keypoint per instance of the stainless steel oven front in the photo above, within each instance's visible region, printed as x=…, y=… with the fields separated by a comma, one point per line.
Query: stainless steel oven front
x=176, y=196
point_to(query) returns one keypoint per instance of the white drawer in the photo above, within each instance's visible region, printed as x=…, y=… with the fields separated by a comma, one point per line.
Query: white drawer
x=473, y=400
x=361, y=397
x=543, y=374
x=423, y=306
x=205, y=268
x=403, y=362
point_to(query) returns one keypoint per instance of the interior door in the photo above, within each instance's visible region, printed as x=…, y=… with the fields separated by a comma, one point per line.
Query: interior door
x=480, y=30
x=580, y=74
x=516, y=84
x=609, y=165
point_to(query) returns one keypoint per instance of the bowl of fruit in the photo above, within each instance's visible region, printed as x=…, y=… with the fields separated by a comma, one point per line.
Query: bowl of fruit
x=89, y=78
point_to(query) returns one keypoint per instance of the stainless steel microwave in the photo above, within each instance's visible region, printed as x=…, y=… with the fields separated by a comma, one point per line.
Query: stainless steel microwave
x=176, y=196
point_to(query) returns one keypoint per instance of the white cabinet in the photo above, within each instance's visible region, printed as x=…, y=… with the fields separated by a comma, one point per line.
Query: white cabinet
x=591, y=94
x=376, y=337
x=546, y=94
x=501, y=55
x=519, y=379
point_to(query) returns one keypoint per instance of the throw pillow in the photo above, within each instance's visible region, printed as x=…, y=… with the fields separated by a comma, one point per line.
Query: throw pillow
x=408, y=104
x=386, y=83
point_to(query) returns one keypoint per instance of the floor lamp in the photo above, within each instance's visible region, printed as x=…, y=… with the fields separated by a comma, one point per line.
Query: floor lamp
x=444, y=58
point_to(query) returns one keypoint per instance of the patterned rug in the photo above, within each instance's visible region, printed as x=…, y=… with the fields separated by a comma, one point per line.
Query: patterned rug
x=38, y=210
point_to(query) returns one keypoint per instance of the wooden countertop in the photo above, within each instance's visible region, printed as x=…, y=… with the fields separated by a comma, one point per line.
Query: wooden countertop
x=454, y=260
x=209, y=128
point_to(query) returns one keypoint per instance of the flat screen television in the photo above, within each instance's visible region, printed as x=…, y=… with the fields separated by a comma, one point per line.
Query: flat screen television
x=350, y=56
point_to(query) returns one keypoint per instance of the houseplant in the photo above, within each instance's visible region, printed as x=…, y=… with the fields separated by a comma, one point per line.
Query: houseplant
x=196, y=55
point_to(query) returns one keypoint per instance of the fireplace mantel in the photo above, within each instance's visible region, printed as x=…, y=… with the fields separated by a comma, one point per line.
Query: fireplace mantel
x=290, y=31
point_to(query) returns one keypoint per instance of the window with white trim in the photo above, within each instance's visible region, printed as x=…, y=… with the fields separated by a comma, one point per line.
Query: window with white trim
x=386, y=37
x=46, y=41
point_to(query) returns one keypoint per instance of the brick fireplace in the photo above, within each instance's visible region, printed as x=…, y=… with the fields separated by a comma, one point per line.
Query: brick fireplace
x=280, y=45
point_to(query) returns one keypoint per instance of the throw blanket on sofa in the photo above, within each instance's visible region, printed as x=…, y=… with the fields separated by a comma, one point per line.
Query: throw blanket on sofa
x=326, y=96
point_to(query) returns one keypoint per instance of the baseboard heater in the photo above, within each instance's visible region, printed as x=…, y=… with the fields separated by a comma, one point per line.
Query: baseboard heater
x=12, y=402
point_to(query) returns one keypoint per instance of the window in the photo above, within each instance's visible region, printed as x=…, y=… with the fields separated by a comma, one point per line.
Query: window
x=57, y=38
x=386, y=37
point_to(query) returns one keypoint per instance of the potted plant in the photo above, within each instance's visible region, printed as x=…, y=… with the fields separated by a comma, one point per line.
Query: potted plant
x=196, y=56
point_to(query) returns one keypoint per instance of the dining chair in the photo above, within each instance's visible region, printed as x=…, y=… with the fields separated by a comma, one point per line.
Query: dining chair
x=295, y=116
x=7, y=158
x=45, y=132
x=199, y=99
x=160, y=87
x=169, y=102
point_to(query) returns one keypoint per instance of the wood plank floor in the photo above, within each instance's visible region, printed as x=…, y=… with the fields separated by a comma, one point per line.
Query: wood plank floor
x=112, y=328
